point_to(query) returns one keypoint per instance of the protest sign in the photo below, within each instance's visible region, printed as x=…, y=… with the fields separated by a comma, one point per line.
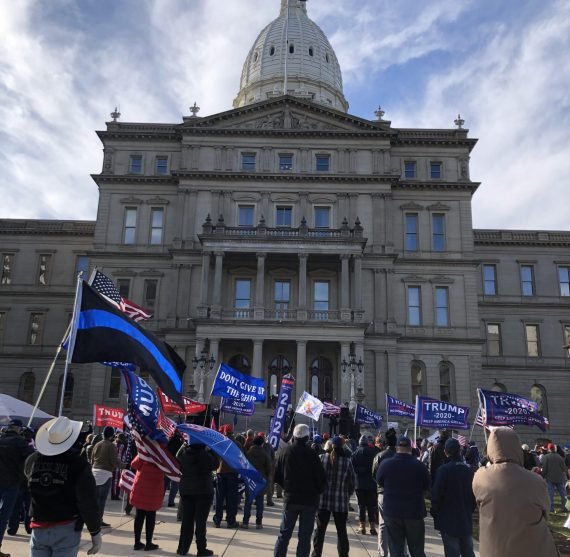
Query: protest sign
x=395, y=407
x=230, y=383
x=236, y=406
x=107, y=416
x=364, y=415
x=278, y=422
x=439, y=414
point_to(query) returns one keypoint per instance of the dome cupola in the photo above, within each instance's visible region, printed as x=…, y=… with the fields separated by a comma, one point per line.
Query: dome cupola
x=292, y=56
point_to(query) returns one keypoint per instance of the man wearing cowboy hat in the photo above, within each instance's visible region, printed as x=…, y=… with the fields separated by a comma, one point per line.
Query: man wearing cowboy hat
x=63, y=492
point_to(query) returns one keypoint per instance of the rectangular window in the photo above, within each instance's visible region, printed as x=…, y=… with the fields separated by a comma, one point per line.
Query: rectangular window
x=493, y=339
x=36, y=322
x=124, y=287
x=322, y=217
x=114, y=383
x=411, y=232
x=43, y=269
x=6, y=270
x=282, y=296
x=284, y=216
x=410, y=169
x=490, y=280
x=532, y=341
x=527, y=280
x=414, y=306
x=285, y=162
x=82, y=266
x=442, y=306
x=135, y=164
x=156, y=226
x=130, y=231
x=323, y=163
x=161, y=165
x=435, y=170
x=564, y=279
x=321, y=299
x=150, y=291
x=242, y=298
x=248, y=161
x=245, y=215
x=438, y=232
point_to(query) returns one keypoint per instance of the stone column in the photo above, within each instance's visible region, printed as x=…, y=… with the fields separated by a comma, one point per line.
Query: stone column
x=301, y=375
x=302, y=306
x=259, y=306
x=216, y=311
x=380, y=383
x=388, y=220
x=344, y=288
x=205, y=280
x=303, y=206
x=357, y=305
x=257, y=366
x=379, y=303
x=197, y=354
x=344, y=378
x=378, y=231
x=214, y=351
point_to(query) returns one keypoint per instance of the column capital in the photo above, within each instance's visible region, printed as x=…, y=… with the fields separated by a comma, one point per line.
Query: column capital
x=303, y=255
x=219, y=253
x=258, y=342
x=261, y=255
x=344, y=256
x=357, y=256
x=301, y=343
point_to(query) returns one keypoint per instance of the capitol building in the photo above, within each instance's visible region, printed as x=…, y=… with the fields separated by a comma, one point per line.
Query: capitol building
x=288, y=235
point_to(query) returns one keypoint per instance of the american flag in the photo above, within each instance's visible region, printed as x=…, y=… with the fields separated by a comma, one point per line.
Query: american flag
x=166, y=424
x=106, y=287
x=157, y=453
x=330, y=409
x=126, y=480
x=480, y=419
x=461, y=438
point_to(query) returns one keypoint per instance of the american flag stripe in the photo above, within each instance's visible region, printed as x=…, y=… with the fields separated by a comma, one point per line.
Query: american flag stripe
x=166, y=424
x=126, y=480
x=330, y=409
x=461, y=438
x=152, y=451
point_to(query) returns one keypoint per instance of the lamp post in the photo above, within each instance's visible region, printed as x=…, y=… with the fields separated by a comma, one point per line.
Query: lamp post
x=352, y=369
x=204, y=366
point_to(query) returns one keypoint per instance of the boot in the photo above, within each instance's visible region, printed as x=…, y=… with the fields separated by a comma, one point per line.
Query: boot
x=373, y=531
x=361, y=528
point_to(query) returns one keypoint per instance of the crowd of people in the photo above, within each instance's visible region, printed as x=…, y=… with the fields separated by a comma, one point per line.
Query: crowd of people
x=57, y=480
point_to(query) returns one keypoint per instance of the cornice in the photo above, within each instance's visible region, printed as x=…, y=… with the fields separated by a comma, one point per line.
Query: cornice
x=133, y=179
x=47, y=227
x=286, y=177
x=436, y=186
x=552, y=238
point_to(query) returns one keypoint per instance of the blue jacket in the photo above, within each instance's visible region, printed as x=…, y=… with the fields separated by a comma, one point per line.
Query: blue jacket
x=404, y=479
x=452, y=499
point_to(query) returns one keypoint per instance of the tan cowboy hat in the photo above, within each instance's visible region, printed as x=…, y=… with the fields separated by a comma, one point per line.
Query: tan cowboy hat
x=57, y=436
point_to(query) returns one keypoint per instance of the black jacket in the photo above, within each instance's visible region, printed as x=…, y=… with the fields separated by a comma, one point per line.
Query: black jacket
x=437, y=457
x=362, y=460
x=299, y=471
x=197, y=465
x=14, y=450
x=62, y=488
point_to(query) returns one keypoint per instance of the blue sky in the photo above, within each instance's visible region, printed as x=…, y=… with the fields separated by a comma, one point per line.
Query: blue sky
x=64, y=65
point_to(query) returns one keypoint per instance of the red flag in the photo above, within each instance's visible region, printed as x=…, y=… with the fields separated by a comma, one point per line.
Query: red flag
x=105, y=415
x=171, y=407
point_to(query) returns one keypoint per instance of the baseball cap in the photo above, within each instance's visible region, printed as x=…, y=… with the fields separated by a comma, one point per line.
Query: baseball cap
x=452, y=446
x=404, y=441
x=301, y=430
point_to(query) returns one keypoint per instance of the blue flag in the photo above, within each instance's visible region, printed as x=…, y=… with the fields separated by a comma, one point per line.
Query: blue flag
x=236, y=406
x=395, y=407
x=278, y=421
x=438, y=414
x=229, y=452
x=364, y=415
x=510, y=409
x=230, y=383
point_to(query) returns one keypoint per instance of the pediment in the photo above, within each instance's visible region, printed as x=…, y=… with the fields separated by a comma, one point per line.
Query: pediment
x=286, y=114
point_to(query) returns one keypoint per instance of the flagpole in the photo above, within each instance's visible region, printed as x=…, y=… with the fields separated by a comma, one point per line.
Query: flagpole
x=416, y=423
x=71, y=342
x=474, y=422
x=387, y=412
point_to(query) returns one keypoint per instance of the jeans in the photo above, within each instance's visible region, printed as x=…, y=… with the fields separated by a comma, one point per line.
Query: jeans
x=172, y=492
x=340, y=520
x=258, y=509
x=8, y=496
x=306, y=516
x=457, y=547
x=382, y=535
x=62, y=541
x=102, y=494
x=561, y=491
x=402, y=530
x=366, y=504
x=226, y=490
x=195, y=509
x=148, y=518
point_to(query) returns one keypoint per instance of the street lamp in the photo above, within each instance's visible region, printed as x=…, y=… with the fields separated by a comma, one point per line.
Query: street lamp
x=352, y=369
x=204, y=366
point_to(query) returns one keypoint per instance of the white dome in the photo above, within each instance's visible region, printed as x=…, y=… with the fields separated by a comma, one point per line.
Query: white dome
x=294, y=46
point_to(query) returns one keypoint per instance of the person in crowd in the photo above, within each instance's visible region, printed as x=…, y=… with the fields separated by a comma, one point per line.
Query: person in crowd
x=299, y=471
x=437, y=456
x=146, y=497
x=14, y=450
x=340, y=483
x=388, y=452
x=86, y=443
x=196, y=494
x=555, y=473
x=529, y=459
x=63, y=494
x=271, y=478
x=472, y=456
x=104, y=460
x=453, y=503
x=362, y=461
x=405, y=480
x=282, y=445
x=513, y=502
x=89, y=449
x=333, y=424
x=175, y=442
x=249, y=436
x=317, y=445
x=227, y=493
x=261, y=462
x=121, y=446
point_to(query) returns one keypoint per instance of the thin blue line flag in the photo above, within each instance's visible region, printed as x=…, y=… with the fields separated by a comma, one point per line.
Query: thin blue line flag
x=105, y=334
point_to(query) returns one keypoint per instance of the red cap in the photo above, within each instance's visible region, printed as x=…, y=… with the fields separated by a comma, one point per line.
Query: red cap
x=550, y=447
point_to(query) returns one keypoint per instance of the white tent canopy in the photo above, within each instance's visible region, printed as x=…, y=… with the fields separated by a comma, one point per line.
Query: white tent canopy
x=13, y=408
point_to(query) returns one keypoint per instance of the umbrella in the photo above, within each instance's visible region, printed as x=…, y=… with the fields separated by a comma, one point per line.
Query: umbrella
x=13, y=408
x=228, y=451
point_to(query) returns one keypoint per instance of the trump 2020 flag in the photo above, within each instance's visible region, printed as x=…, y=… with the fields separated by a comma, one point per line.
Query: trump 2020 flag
x=309, y=406
x=364, y=415
x=439, y=414
x=395, y=407
x=230, y=383
x=103, y=333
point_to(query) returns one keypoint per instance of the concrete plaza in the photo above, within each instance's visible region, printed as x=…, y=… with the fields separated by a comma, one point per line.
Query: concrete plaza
x=118, y=540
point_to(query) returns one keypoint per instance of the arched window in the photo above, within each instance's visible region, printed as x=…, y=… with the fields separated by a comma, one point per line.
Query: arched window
x=417, y=370
x=311, y=52
x=321, y=378
x=445, y=381
x=67, y=392
x=272, y=51
x=241, y=363
x=291, y=48
x=499, y=388
x=273, y=385
x=115, y=383
x=27, y=387
x=538, y=395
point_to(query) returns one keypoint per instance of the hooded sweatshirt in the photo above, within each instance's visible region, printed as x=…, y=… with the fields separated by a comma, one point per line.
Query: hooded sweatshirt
x=513, y=502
